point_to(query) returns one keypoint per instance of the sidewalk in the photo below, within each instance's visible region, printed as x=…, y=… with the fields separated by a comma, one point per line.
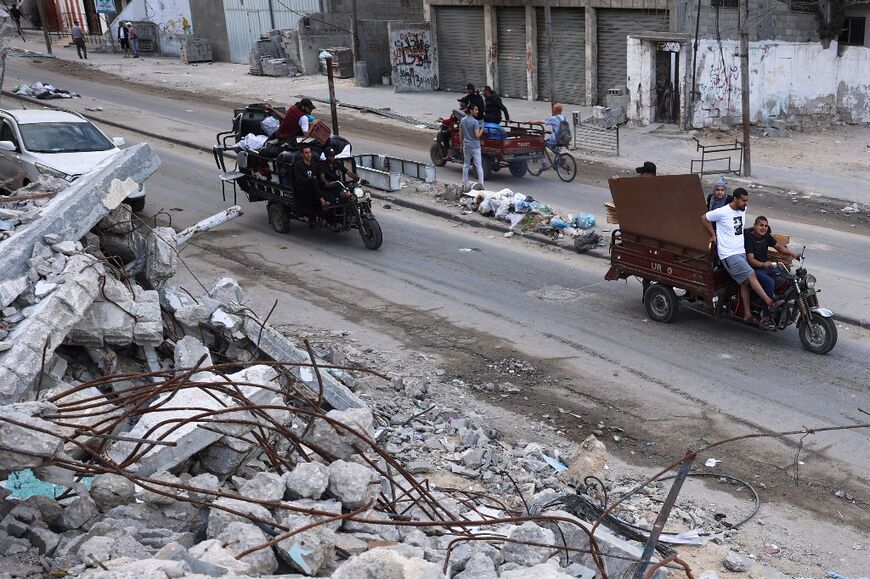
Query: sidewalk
x=832, y=163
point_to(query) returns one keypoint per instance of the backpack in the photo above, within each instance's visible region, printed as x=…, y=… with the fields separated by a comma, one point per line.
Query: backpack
x=563, y=135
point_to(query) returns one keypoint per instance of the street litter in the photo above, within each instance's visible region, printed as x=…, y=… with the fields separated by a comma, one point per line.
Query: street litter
x=43, y=91
x=853, y=208
x=711, y=462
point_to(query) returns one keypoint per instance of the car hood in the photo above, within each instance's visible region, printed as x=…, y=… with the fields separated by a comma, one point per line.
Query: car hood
x=74, y=163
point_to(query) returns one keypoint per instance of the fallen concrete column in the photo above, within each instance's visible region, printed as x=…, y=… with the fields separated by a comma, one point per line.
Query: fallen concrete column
x=45, y=329
x=280, y=349
x=75, y=210
x=208, y=223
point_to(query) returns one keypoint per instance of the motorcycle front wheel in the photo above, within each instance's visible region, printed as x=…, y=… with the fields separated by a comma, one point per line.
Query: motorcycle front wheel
x=437, y=154
x=370, y=231
x=818, y=334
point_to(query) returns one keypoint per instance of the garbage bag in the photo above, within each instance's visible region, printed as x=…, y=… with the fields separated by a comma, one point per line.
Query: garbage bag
x=583, y=221
x=558, y=223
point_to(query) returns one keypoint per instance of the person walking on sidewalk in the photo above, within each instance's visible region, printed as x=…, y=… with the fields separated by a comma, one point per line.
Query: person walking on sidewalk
x=470, y=130
x=78, y=37
x=124, y=39
x=134, y=39
x=15, y=13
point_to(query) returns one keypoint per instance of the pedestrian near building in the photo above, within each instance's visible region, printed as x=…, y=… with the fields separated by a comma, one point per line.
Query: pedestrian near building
x=134, y=39
x=78, y=37
x=124, y=39
x=15, y=13
x=493, y=106
x=470, y=130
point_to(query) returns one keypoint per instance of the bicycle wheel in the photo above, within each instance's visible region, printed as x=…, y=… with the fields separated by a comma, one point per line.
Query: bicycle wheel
x=540, y=164
x=566, y=167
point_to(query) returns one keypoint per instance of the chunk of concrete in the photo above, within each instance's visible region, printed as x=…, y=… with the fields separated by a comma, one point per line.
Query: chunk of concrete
x=381, y=563
x=479, y=566
x=227, y=291
x=161, y=261
x=308, y=551
x=219, y=519
x=337, y=441
x=47, y=327
x=188, y=351
x=112, y=490
x=79, y=513
x=353, y=484
x=207, y=482
x=528, y=555
x=239, y=537
x=308, y=480
x=44, y=540
x=541, y=571
x=18, y=431
x=11, y=289
x=590, y=460
x=173, y=551
x=213, y=551
x=265, y=486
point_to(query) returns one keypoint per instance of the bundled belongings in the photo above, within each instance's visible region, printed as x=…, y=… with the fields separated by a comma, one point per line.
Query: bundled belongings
x=43, y=91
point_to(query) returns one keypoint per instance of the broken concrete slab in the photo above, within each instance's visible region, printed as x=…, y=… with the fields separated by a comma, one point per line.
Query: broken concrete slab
x=308, y=551
x=338, y=442
x=47, y=327
x=22, y=446
x=239, y=537
x=75, y=210
x=11, y=289
x=386, y=562
x=161, y=261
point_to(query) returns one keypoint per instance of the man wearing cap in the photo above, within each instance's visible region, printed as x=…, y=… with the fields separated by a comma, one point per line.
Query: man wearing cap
x=473, y=97
x=648, y=169
x=294, y=123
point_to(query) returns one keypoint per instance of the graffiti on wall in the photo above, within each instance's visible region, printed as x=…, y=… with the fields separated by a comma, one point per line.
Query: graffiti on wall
x=720, y=86
x=413, y=59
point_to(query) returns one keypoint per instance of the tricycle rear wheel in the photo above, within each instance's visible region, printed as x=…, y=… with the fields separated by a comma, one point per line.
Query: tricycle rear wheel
x=818, y=334
x=438, y=155
x=370, y=231
x=661, y=303
x=566, y=167
x=518, y=168
x=278, y=217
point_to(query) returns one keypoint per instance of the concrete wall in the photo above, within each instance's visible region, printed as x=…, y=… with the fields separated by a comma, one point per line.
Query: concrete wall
x=413, y=57
x=325, y=32
x=799, y=82
x=769, y=20
x=374, y=47
x=172, y=17
x=208, y=18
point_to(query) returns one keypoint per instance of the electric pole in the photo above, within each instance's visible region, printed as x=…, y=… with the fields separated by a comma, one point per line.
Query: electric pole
x=333, y=106
x=548, y=23
x=744, y=85
x=41, y=8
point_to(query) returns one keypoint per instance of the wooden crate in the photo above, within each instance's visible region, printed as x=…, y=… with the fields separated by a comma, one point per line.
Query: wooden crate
x=612, y=217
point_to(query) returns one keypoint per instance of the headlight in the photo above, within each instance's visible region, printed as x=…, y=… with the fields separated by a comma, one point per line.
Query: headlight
x=358, y=191
x=811, y=281
x=46, y=170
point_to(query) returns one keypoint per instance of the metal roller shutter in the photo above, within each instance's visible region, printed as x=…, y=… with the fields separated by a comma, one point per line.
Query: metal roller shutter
x=569, y=55
x=461, y=50
x=511, y=24
x=613, y=28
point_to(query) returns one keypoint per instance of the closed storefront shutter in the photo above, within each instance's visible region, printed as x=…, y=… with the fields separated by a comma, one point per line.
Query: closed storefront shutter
x=569, y=55
x=511, y=23
x=613, y=28
x=461, y=51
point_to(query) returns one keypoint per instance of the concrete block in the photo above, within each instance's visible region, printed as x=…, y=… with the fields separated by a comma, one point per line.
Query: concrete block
x=161, y=261
x=11, y=289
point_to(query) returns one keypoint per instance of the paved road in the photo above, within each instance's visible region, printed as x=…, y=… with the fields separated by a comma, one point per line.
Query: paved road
x=596, y=352
x=840, y=260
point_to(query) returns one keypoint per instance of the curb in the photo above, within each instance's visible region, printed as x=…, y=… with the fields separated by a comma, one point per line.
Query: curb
x=435, y=212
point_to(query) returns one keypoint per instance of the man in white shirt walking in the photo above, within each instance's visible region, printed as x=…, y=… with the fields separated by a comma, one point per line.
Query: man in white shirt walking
x=730, y=221
x=78, y=37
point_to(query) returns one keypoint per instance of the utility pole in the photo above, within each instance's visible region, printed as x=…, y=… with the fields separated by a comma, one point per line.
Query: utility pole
x=551, y=58
x=354, y=29
x=744, y=85
x=41, y=8
x=333, y=106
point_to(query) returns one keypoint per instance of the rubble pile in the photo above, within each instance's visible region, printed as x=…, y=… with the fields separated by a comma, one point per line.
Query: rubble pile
x=179, y=433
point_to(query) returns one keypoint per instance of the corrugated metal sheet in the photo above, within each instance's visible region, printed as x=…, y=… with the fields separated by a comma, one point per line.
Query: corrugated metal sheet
x=461, y=50
x=613, y=28
x=511, y=24
x=569, y=55
x=247, y=20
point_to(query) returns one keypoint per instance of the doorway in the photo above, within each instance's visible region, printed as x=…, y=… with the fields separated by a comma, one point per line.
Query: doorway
x=667, y=85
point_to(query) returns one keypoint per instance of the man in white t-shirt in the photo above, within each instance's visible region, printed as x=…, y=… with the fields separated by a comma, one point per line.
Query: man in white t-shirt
x=730, y=221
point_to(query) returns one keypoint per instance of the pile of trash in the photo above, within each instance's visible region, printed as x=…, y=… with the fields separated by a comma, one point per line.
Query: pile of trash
x=43, y=91
x=151, y=431
x=526, y=214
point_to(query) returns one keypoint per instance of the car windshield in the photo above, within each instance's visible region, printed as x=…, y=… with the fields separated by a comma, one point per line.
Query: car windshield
x=63, y=138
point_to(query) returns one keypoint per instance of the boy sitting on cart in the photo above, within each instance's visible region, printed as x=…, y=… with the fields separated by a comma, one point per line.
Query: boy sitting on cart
x=333, y=194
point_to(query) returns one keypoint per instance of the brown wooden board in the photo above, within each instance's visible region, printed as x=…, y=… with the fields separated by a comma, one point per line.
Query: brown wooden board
x=666, y=208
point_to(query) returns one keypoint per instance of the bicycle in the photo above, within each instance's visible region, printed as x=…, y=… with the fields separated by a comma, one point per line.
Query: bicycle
x=553, y=157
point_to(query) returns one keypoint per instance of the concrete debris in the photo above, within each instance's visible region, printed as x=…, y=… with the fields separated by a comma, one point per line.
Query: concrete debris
x=307, y=481
x=352, y=484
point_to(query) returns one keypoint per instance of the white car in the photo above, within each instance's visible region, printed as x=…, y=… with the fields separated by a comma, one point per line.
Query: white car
x=57, y=143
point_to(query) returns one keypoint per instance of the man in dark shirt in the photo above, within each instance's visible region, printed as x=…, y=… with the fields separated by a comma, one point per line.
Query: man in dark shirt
x=493, y=107
x=757, y=241
x=306, y=186
x=332, y=175
x=472, y=97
